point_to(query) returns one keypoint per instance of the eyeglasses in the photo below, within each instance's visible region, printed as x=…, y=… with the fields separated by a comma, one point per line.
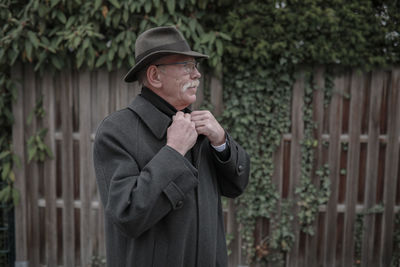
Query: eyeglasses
x=189, y=66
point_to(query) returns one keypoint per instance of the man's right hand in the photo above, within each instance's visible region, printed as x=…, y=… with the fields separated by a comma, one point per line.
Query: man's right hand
x=181, y=135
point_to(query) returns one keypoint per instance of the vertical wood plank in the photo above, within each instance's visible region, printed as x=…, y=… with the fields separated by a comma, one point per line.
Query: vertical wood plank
x=372, y=167
x=233, y=229
x=21, y=213
x=335, y=122
x=84, y=167
x=295, y=161
x=67, y=169
x=103, y=109
x=356, y=101
x=318, y=116
x=216, y=95
x=122, y=99
x=391, y=170
x=50, y=172
x=32, y=167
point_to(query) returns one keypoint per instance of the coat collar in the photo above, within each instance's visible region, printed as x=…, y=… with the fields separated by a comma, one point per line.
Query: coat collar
x=156, y=120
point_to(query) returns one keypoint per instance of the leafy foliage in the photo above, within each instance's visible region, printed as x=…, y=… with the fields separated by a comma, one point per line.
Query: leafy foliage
x=270, y=40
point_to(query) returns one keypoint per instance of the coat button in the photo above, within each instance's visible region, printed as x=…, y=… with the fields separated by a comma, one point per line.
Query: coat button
x=240, y=167
x=179, y=204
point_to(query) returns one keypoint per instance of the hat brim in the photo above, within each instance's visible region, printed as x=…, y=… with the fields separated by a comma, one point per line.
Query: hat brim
x=131, y=76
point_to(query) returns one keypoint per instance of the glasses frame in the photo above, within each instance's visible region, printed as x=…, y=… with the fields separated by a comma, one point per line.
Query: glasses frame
x=188, y=70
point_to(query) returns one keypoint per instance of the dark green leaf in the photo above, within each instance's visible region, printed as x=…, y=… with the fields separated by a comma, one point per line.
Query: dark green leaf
x=61, y=17
x=171, y=6
x=100, y=61
x=33, y=39
x=97, y=4
x=115, y=3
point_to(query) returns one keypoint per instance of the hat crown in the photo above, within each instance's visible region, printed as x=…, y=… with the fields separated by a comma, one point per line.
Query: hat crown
x=160, y=38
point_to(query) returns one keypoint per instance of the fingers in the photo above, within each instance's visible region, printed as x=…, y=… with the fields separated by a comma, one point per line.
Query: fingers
x=180, y=115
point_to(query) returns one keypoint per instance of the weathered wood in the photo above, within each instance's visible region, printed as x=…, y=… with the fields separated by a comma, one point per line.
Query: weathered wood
x=85, y=132
x=356, y=100
x=122, y=99
x=50, y=172
x=391, y=170
x=295, y=162
x=21, y=212
x=335, y=122
x=216, y=96
x=103, y=109
x=67, y=166
x=233, y=229
x=318, y=111
x=372, y=167
x=30, y=100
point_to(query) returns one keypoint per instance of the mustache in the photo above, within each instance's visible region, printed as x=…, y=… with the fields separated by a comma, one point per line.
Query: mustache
x=194, y=83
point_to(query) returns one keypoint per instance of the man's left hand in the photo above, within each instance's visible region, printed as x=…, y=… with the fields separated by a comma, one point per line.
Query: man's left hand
x=207, y=125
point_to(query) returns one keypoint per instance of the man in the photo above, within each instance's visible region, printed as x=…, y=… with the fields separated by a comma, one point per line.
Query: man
x=161, y=168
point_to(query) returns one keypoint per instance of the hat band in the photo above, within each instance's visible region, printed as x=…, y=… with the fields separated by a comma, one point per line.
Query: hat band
x=181, y=46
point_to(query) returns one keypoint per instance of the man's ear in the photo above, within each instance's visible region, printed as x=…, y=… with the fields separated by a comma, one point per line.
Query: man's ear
x=153, y=76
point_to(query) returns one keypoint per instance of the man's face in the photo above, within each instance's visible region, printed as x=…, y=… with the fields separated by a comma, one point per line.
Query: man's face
x=179, y=81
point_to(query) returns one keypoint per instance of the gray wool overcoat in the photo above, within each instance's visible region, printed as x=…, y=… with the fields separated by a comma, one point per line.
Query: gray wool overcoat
x=160, y=209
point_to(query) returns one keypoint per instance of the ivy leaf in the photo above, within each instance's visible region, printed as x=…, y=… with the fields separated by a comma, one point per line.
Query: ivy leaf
x=54, y=3
x=220, y=48
x=101, y=60
x=33, y=38
x=115, y=3
x=6, y=171
x=5, y=194
x=97, y=4
x=61, y=17
x=4, y=154
x=56, y=62
x=171, y=6
x=147, y=7
x=225, y=36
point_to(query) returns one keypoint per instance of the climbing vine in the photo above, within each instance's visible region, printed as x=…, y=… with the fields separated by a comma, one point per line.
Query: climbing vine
x=270, y=41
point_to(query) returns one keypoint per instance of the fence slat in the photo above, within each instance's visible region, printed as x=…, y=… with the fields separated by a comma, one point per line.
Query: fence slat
x=32, y=168
x=67, y=167
x=84, y=167
x=356, y=100
x=372, y=167
x=335, y=122
x=295, y=161
x=391, y=169
x=103, y=109
x=21, y=219
x=318, y=117
x=50, y=172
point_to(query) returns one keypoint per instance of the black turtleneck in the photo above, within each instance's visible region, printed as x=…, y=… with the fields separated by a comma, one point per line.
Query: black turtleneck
x=160, y=103
x=170, y=111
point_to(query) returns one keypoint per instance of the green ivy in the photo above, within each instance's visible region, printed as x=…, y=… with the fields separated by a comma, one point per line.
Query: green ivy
x=270, y=41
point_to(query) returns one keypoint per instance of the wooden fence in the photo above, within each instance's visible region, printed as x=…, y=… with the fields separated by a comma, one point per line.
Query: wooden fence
x=59, y=221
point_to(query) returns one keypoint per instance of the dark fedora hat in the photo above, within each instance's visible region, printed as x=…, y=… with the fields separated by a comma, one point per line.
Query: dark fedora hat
x=155, y=43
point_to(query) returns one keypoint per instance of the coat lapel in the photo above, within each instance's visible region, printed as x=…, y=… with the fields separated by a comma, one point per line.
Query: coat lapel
x=157, y=121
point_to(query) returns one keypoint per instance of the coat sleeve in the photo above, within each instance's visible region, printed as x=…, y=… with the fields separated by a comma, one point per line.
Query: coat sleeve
x=233, y=173
x=135, y=199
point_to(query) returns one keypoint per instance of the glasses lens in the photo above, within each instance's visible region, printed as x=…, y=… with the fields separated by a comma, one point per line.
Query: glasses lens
x=190, y=67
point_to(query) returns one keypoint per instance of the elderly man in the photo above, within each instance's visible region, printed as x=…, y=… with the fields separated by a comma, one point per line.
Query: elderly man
x=161, y=168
